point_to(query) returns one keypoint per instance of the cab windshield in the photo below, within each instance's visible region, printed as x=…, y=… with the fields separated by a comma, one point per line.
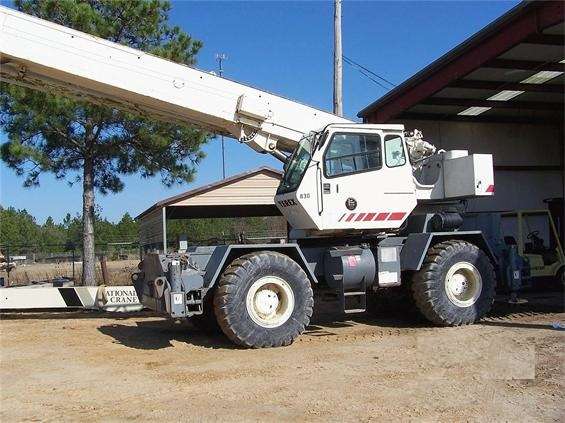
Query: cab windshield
x=296, y=167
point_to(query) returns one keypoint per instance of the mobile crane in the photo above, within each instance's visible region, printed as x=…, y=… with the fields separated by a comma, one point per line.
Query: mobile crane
x=370, y=207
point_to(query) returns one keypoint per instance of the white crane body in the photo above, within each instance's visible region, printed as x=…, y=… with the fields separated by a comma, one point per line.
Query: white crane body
x=356, y=187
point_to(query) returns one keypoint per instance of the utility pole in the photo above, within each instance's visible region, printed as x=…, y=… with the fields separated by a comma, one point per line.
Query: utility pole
x=220, y=57
x=338, y=60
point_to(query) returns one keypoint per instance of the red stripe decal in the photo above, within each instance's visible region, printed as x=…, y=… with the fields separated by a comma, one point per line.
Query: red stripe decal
x=490, y=188
x=360, y=216
x=396, y=216
x=369, y=217
x=381, y=216
x=340, y=219
x=351, y=216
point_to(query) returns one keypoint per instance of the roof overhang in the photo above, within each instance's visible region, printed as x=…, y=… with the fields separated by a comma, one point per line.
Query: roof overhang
x=244, y=210
x=510, y=71
x=176, y=207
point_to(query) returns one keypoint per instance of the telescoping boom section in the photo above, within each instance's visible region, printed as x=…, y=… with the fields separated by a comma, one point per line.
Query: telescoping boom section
x=44, y=55
x=339, y=175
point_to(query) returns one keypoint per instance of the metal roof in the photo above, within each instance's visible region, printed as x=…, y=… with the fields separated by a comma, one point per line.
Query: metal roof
x=510, y=71
x=195, y=209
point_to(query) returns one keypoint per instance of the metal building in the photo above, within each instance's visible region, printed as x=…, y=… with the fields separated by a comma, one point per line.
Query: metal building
x=502, y=92
x=246, y=194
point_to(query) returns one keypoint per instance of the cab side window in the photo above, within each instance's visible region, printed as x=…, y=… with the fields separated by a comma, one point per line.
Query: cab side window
x=352, y=153
x=394, y=151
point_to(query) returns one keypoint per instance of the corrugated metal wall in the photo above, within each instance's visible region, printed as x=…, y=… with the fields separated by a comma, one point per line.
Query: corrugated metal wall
x=256, y=189
x=528, y=159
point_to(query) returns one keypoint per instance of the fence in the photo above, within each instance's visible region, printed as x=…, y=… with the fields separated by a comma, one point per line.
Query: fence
x=242, y=237
x=116, y=261
x=28, y=264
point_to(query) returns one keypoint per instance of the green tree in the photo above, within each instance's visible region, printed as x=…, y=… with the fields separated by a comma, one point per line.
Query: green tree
x=206, y=230
x=93, y=144
x=73, y=231
x=52, y=235
x=18, y=229
x=126, y=228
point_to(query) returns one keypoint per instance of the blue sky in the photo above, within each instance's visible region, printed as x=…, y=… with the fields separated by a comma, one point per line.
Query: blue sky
x=286, y=48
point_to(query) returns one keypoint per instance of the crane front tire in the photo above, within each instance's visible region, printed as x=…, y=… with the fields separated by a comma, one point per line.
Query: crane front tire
x=263, y=299
x=456, y=284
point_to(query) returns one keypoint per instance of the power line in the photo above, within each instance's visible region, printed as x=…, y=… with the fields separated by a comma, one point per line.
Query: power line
x=368, y=72
x=366, y=75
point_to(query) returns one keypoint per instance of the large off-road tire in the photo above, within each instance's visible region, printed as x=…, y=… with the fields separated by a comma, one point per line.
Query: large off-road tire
x=263, y=299
x=456, y=284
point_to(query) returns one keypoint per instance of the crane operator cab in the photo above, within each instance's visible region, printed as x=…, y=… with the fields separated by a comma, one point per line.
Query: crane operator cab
x=349, y=176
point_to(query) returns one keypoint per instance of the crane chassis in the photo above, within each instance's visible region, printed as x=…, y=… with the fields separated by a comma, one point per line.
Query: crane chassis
x=372, y=208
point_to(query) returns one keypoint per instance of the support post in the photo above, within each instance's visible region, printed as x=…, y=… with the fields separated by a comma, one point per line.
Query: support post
x=562, y=228
x=8, y=270
x=164, y=230
x=338, y=61
x=104, y=267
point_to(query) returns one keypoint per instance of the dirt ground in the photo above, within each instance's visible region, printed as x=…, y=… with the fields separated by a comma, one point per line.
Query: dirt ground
x=119, y=272
x=90, y=366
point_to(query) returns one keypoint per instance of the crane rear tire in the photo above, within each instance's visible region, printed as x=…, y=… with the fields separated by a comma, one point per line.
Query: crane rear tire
x=456, y=284
x=263, y=299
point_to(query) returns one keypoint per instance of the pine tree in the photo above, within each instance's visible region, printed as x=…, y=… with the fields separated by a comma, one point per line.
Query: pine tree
x=93, y=144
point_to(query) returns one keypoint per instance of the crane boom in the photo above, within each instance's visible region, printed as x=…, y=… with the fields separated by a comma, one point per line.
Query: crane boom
x=43, y=55
x=332, y=151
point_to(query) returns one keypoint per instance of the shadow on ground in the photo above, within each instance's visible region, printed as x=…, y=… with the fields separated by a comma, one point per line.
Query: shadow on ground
x=522, y=325
x=58, y=314
x=155, y=334
x=159, y=334
x=536, y=303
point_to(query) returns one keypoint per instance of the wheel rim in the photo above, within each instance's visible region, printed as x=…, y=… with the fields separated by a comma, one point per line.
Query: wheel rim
x=463, y=284
x=270, y=301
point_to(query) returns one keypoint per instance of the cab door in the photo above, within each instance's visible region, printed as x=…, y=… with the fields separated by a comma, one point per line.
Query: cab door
x=365, y=180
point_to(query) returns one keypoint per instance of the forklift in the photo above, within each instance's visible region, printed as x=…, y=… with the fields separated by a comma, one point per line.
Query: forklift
x=526, y=244
x=542, y=252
